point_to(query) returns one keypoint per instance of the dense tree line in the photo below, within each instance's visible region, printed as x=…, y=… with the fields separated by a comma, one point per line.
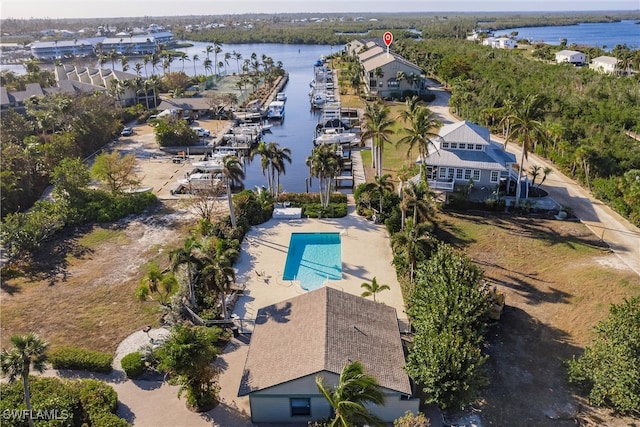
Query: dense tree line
x=588, y=114
x=54, y=127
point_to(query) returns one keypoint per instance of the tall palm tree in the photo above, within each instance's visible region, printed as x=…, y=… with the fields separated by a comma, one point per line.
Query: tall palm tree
x=232, y=172
x=278, y=158
x=325, y=163
x=195, y=58
x=207, y=65
x=27, y=351
x=262, y=150
x=217, y=48
x=381, y=185
x=218, y=273
x=348, y=398
x=415, y=239
x=527, y=125
x=237, y=56
x=373, y=288
x=420, y=198
x=420, y=132
x=183, y=57
x=187, y=255
x=378, y=129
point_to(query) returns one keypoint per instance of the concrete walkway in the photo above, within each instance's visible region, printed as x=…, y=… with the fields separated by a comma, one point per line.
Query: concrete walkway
x=622, y=237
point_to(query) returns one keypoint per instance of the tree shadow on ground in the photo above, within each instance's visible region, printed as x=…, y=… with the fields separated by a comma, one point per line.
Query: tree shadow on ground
x=527, y=373
x=534, y=227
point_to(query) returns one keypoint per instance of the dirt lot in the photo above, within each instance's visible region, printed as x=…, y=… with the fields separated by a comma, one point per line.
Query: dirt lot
x=559, y=281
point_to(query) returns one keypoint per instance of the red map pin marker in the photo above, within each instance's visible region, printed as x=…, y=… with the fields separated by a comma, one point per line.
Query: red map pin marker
x=387, y=38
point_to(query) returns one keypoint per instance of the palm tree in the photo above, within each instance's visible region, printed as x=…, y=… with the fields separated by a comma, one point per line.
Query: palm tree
x=348, y=399
x=325, y=163
x=527, y=125
x=216, y=50
x=218, y=273
x=237, y=56
x=373, y=288
x=28, y=351
x=378, y=129
x=545, y=172
x=278, y=158
x=195, y=58
x=420, y=198
x=207, y=65
x=381, y=185
x=411, y=242
x=422, y=122
x=232, y=172
x=187, y=255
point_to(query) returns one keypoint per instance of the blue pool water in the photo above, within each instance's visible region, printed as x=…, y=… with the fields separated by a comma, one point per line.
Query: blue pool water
x=313, y=258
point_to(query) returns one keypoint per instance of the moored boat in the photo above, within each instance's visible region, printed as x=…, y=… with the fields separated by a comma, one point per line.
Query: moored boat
x=276, y=110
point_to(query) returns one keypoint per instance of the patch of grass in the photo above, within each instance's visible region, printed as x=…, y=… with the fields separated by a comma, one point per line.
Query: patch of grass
x=101, y=235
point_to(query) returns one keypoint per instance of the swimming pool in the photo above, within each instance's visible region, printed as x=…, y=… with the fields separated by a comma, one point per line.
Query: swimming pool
x=313, y=258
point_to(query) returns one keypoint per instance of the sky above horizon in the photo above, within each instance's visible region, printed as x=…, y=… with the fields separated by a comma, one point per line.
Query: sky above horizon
x=24, y=9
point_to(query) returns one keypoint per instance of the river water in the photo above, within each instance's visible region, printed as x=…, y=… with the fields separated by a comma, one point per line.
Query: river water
x=602, y=35
x=297, y=129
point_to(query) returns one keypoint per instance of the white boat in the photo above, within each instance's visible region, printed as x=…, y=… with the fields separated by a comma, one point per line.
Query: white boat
x=281, y=96
x=337, y=136
x=318, y=100
x=276, y=110
x=213, y=165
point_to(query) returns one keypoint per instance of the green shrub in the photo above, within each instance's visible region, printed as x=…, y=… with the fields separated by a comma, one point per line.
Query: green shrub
x=49, y=395
x=133, y=365
x=67, y=402
x=107, y=419
x=334, y=210
x=79, y=358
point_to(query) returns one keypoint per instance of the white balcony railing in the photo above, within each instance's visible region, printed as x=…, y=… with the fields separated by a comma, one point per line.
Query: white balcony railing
x=441, y=185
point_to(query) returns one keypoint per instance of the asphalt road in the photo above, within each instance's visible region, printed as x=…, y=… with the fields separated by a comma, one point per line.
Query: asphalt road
x=622, y=237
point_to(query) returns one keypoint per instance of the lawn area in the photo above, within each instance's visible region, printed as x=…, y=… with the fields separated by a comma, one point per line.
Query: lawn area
x=559, y=281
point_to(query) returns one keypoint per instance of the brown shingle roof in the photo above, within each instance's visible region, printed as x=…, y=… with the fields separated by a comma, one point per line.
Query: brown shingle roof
x=323, y=330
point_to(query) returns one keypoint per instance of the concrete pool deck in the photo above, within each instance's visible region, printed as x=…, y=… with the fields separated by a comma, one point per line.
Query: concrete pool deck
x=366, y=253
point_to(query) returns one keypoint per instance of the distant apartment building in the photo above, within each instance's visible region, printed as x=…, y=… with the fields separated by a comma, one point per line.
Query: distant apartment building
x=61, y=49
x=125, y=44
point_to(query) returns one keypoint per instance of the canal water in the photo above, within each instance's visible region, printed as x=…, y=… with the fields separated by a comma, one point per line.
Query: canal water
x=296, y=131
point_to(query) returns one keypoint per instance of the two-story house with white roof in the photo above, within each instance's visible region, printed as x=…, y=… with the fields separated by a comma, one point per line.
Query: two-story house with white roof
x=464, y=152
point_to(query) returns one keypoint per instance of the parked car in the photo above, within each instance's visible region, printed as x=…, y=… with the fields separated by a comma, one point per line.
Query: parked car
x=127, y=132
x=202, y=132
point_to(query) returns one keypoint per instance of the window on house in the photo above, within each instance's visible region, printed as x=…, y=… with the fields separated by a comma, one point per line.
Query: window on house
x=442, y=173
x=454, y=145
x=445, y=145
x=494, y=176
x=467, y=174
x=393, y=83
x=450, y=174
x=462, y=146
x=300, y=406
x=476, y=175
x=459, y=173
x=478, y=147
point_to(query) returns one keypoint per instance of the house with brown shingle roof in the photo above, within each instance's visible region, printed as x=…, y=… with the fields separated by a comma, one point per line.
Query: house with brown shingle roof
x=317, y=333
